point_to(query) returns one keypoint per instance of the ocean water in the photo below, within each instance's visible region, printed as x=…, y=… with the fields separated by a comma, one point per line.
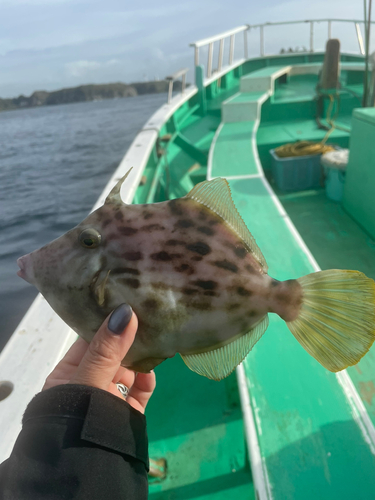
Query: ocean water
x=54, y=163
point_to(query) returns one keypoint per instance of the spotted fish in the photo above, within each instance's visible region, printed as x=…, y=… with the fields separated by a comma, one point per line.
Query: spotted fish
x=198, y=283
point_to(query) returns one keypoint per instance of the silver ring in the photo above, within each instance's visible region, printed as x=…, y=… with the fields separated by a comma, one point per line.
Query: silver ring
x=123, y=389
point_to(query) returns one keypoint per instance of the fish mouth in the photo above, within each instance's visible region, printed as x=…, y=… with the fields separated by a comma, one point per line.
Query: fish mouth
x=23, y=272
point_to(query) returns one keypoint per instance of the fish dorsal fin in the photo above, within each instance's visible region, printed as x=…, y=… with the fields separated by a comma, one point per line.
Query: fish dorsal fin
x=219, y=363
x=216, y=195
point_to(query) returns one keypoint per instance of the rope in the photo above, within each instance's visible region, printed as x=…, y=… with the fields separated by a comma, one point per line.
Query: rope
x=307, y=148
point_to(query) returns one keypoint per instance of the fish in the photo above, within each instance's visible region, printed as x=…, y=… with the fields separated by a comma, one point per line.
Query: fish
x=199, y=284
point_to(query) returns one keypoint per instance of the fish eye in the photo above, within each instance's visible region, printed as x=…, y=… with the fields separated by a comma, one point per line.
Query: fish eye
x=90, y=238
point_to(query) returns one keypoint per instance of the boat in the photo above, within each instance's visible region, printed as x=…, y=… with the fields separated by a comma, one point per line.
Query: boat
x=281, y=426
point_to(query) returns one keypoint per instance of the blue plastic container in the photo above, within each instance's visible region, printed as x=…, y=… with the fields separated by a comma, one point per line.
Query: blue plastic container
x=297, y=173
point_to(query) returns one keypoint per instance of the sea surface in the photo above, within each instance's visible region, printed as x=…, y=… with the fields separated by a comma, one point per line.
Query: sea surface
x=54, y=163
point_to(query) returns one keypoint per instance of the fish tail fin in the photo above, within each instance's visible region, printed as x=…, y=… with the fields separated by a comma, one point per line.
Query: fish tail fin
x=336, y=322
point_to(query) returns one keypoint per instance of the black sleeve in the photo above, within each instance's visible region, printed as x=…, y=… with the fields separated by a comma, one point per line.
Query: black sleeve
x=78, y=442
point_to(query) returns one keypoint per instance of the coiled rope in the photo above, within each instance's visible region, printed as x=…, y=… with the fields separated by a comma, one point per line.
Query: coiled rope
x=307, y=148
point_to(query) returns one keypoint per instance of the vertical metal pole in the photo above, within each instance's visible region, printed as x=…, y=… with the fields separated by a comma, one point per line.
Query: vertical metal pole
x=359, y=38
x=209, y=61
x=170, y=90
x=231, y=49
x=311, y=36
x=221, y=54
x=245, y=48
x=196, y=56
x=183, y=83
x=261, y=42
x=329, y=30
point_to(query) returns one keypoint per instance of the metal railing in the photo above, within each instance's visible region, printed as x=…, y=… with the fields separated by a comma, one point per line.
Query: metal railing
x=245, y=29
x=181, y=73
x=221, y=39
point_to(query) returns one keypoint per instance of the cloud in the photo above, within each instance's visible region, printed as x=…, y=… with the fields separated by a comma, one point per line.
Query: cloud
x=84, y=68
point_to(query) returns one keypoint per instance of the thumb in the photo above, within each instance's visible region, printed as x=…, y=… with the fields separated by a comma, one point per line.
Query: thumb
x=105, y=352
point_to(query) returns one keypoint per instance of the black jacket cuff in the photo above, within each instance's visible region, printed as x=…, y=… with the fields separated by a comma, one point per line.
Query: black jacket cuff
x=108, y=421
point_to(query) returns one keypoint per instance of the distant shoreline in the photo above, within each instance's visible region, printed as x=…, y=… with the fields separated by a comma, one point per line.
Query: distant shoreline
x=84, y=93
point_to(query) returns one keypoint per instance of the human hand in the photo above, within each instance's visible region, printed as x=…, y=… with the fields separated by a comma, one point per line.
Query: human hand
x=98, y=364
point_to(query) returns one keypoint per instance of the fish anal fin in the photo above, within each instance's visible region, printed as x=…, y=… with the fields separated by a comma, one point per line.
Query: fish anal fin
x=219, y=363
x=216, y=195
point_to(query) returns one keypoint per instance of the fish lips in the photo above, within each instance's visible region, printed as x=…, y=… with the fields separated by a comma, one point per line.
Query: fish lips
x=26, y=269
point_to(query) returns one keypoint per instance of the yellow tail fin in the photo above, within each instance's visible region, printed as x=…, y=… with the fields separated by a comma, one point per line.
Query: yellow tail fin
x=336, y=324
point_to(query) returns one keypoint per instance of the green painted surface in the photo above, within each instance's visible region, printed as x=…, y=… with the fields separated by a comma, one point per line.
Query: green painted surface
x=360, y=175
x=337, y=241
x=312, y=447
x=233, y=153
x=196, y=424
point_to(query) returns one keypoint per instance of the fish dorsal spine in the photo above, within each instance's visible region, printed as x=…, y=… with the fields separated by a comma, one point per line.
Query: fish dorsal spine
x=216, y=196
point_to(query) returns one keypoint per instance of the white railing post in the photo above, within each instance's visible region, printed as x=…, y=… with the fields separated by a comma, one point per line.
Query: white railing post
x=329, y=29
x=359, y=38
x=261, y=41
x=311, y=36
x=221, y=55
x=209, y=59
x=231, y=49
x=245, y=47
x=171, y=79
x=196, y=56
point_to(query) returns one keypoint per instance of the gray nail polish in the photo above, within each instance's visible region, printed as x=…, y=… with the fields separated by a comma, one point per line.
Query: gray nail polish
x=120, y=318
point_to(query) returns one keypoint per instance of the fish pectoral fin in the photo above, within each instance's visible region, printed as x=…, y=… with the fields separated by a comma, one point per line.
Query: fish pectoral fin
x=217, y=197
x=100, y=290
x=219, y=363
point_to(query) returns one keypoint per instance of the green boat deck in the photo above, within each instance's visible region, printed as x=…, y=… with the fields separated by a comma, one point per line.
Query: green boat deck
x=312, y=442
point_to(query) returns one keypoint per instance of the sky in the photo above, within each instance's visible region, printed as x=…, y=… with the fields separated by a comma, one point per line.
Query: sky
x=51, y=44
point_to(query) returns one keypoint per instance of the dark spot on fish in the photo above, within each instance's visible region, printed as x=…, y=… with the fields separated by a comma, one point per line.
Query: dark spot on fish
x=132, y=282
x=210, y=293
x=196, y=258
x=127, y=230
x=243, y=292
x=202, y=215
x=240, y=251
x=174, y=243
x=199, y=247
x=212, y=222
x=201, y=305
x=119, y=216
x=147, y=215
x=250, y=268
x=274, y=283
x=133, y=256
x=152, y=227
x=251, y=314
x=150, y=304
x=162, y=256
x=106, y=222
x=233, y=307
x=206, y=230
x=175, y=208
x=184, y=223
x=189, y=291
x=184, y=268
x=225, y=264
x=125, y=270
x=206, y=285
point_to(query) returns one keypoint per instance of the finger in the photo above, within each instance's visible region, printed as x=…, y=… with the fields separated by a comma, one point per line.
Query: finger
x=141, y=391
x=109, y=346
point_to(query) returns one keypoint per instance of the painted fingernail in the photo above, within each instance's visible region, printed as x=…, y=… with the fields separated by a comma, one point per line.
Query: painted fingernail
x=120, y=318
